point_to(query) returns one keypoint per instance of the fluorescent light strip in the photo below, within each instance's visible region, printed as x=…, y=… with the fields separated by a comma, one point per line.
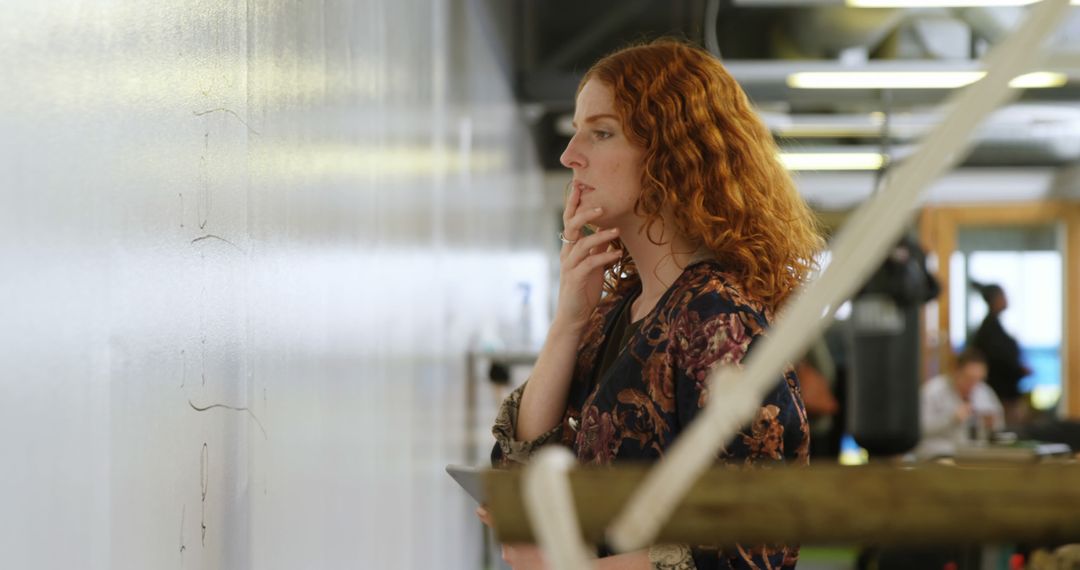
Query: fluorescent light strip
x=939, y=3
x=832, y=160
x=882, y=79
x=913, y=79
x=1040, y=79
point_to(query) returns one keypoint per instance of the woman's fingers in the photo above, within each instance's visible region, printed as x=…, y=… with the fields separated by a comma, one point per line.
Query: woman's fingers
x=484, y=516
x=581, y=283
x=573, y=199
x=598, y=260
x=591, y=245
x=573, y=225
x=524, y=556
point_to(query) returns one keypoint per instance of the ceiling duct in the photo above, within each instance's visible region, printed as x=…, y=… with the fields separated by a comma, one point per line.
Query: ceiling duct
x=854, y=34
x=765, y=42
x=991, y=23
x=934, y=36
x=1017, y=135
x=827, y=29
x=827, y=32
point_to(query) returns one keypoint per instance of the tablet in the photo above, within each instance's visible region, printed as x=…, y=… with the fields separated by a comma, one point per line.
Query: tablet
x=470, y=478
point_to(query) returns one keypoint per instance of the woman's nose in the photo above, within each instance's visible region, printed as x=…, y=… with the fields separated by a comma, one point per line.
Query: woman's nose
x=571, y=158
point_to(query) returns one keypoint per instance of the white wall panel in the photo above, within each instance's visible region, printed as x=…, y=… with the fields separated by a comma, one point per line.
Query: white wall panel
x=243, y=249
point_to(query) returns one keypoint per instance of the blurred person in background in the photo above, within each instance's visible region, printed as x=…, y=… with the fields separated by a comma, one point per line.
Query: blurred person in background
x=818, y=382
x=1005, y=369
x=683, y=235
x=958, y=409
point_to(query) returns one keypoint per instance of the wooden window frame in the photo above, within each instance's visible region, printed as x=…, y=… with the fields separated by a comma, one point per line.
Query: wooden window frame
x=938, y=225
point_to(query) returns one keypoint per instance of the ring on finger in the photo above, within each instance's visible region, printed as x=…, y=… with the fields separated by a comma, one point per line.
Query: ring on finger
x=563, y=239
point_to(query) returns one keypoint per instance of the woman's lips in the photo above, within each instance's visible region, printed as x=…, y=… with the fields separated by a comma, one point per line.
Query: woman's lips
x=582, y=187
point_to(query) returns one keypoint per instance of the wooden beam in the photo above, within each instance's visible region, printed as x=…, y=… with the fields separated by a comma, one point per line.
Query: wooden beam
x=1070, y=365
x=829, y=505
x=944, y=245
x=1018, y=214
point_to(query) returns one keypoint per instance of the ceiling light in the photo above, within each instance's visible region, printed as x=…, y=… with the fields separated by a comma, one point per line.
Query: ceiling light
x=882, y=79
x=832, y=160
x=912, y=79
x=938, y=3
x=1039, y=80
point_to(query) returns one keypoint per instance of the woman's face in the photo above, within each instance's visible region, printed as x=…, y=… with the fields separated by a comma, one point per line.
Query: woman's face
x=1000, y=303
x=607, y=167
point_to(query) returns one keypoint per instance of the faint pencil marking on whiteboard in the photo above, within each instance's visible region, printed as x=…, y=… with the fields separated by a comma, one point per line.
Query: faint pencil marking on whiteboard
x=204, y=205
x=181, y=209
x=219, y=238
x=233, y=408
x=210, y=89
x=205, y=480
x=230, y=112
x=183, y=518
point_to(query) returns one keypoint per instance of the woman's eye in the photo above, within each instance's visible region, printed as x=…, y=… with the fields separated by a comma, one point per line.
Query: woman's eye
x=601, y=134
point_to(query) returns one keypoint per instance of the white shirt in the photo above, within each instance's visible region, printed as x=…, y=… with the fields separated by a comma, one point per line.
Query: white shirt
x=938, y=402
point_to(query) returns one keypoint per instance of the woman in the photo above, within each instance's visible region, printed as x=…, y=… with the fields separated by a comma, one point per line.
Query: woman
x=1005, y=368
x=697, y=237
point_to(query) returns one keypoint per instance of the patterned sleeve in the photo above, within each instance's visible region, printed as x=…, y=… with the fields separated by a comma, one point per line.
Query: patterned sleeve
x=713, y=333
x=671, y=557
x=508, y=450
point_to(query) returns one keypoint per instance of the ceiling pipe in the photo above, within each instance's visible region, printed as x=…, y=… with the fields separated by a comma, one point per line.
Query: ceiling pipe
x=828, y=31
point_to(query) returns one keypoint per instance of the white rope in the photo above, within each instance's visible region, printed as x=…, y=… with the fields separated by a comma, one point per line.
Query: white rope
x=865, y=240
x=550, y=506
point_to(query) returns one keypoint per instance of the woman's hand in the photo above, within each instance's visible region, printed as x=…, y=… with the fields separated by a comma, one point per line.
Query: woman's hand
x=581, y=280
x=485, y=517
x=524, y=557
x=581, y=276
x=518, y=556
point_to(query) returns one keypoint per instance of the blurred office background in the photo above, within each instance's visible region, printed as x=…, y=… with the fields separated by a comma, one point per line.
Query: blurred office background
x=260, y=260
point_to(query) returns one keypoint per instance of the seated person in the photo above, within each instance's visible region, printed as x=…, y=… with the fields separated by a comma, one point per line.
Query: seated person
x=953, y=407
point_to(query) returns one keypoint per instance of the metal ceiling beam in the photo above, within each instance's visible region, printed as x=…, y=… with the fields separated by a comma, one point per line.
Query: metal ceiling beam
x=594, y=34
x=786, y=3
x=765, y=82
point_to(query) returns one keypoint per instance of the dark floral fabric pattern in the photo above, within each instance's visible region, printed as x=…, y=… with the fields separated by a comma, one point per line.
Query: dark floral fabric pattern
x=657, y=385
x=510, y=449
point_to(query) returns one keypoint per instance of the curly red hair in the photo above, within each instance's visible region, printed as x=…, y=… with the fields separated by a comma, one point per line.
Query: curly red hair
x=713, y=164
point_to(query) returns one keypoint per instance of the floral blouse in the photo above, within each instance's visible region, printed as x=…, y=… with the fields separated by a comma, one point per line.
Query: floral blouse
x=657, y=385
